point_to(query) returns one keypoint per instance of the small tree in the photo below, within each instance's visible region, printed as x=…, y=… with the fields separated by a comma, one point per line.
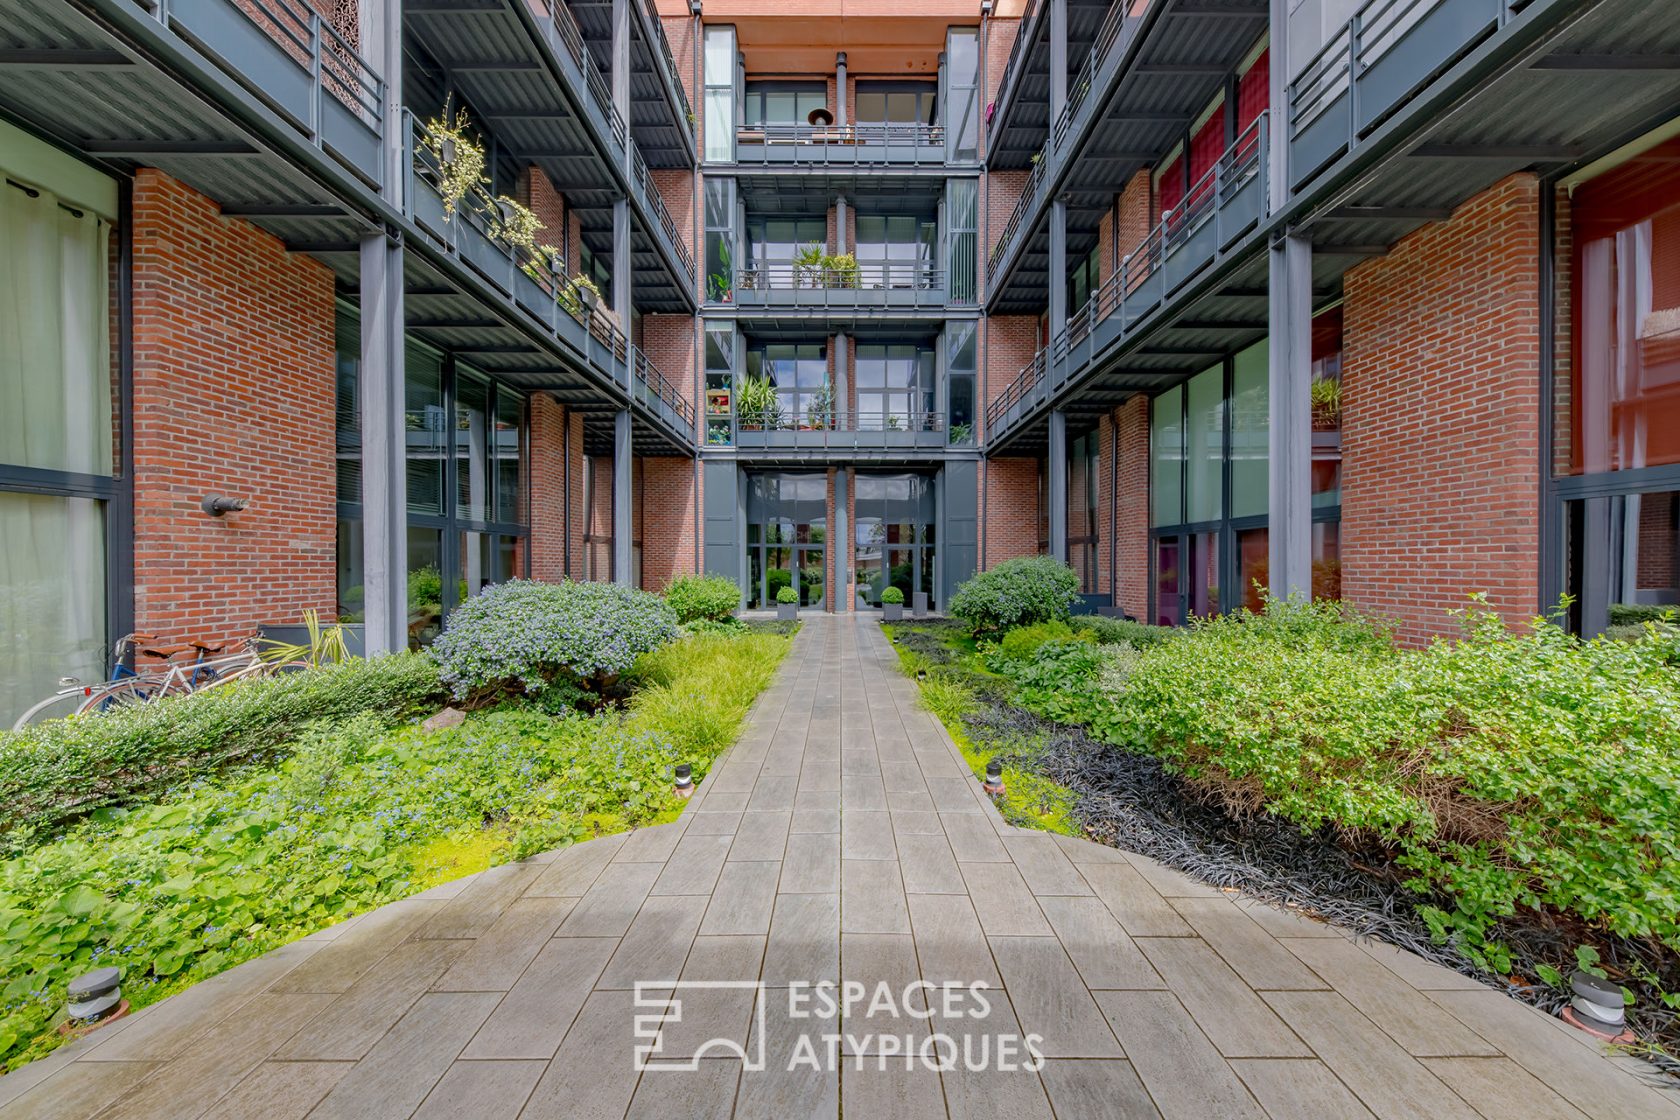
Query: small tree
x=1017, y=593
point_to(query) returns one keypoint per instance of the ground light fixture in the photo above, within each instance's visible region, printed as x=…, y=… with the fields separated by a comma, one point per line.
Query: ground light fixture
x=685, y=780
x=1597, y=1008
x=994, y=778
x=95, y=999
x=921, y=674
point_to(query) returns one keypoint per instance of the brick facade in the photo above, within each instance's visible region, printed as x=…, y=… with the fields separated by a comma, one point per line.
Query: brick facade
x=669, y=486
x=234, y=394
x=1440, y=417
x=556, y=514
x=1009, y=513
x=1131, y=506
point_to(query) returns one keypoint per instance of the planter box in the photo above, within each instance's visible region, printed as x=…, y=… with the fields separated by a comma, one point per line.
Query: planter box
x=920, y=604
x=892, y=612
x=787, y=612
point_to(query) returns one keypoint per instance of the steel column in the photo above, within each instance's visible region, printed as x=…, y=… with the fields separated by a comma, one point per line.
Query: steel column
x=1058, y=282
x=1057, y=495
x=842, y=374
x=1290, y=378
x=622, y=267
x=1058, y=61
x=839, y=588
x=840, y=88
x=840, y=223
x=623, y=508
x=621, y=69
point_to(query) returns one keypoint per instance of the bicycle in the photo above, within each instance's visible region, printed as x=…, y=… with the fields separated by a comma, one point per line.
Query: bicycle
x=128, y=685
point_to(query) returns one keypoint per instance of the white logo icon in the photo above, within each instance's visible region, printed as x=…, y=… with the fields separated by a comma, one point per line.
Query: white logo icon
x=659, y=1005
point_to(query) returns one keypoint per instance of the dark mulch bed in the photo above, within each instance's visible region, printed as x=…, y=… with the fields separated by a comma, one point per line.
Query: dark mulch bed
x=1132, y=801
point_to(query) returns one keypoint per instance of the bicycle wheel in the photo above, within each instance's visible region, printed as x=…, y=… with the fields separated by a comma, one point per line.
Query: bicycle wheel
x=56, y=706
x=133, y=690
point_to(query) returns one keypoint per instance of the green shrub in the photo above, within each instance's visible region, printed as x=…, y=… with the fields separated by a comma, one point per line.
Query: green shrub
x=1114, y=631
x=54, y=772
x=892, y=595
x=1510, y=769
x=522, y=635
x=1633, y=614
x=1017, y=592
x=1024, y=641
x=712, y=598
x=787, y=595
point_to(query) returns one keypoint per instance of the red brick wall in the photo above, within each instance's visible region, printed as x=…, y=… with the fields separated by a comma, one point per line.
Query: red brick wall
x=1009, y=509
x=1440, y=417
x=553, y=539
x=1011, y=342
x=669, y=486
x=668, y=341
x=1134, y=218
x=234, y=394
x=1131, y=522
x=536, y=191
x=683, y=33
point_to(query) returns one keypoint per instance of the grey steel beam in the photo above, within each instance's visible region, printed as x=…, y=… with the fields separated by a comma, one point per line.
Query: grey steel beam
x=52, y=58
x=1289, y=543
x=623, y=511
x=840, y=88
x=384, y=432
x=842, y=372
x=1058, y=270
x=621, y=74
x=1058, y=58
x=840, y=585
x=142, y=148
x=1057, y=465
x=623, y=264
x=839, y=223
x=282, y=210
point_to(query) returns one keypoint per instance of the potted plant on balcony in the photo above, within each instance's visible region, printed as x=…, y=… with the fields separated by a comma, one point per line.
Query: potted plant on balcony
x=819, y=415
x=515, y=223
x=787, y=605
x=459, y=158
x=585, y=295
x=756, y=405
x=961, y=433
x=720, y=285
x=841, y=270
x=1326, y=404
x=810, y=265
x=892, y=605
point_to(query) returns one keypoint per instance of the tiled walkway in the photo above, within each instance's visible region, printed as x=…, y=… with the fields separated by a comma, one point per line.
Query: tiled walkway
x=842, y=840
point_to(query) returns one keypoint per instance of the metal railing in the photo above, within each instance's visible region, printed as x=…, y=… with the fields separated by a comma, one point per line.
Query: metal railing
x=655, y=382
x=1119, y=17
x=844, y=143
x=1016, y=391
x=569, y=34
x=1239, y=166
x=334, y=65
x=473, y=237
x=650, y=191
x=865, y=276
x=671, y=70
x=1016, y=51
x=1018, y=216
x=1377, y=28
x=843, y=430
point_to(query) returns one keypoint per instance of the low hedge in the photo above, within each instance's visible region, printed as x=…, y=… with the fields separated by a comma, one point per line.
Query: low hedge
x=54, y=772
x=703, y=598
x=1113, y=631
x=1510, y=770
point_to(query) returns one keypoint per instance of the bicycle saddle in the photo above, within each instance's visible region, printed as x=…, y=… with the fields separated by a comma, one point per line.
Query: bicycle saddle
x=166, y=652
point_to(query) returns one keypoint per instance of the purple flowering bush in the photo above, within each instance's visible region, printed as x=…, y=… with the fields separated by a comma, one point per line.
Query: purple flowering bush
x=524, y=636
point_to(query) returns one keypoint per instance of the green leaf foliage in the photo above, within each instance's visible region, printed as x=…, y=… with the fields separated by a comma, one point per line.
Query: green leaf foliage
x=703, y=598
x=1511, y=769
x=358, y=815
x=521, y=636
x=1016, y=592
x=54, y=772
x=892, y=595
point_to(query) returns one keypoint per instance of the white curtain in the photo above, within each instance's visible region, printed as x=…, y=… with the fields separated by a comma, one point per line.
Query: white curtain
x=55, y=414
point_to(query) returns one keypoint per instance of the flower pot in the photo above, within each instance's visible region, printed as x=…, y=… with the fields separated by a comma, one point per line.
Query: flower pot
x=787, y=612
x=920, y=607
x=892, y=612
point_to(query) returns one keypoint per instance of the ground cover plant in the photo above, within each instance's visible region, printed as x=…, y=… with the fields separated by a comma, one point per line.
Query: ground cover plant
x=351, y=812
x=1509, y=798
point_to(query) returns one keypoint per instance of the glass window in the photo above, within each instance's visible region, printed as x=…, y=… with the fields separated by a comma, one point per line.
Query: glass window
x=895, y=250
x=426, y=603
x=897, y=103
x=472, y=446
x=1626, y=377
x=1205, y=450
x=720, y=383
x=962, y=209
x=960, y=371
x=52, y=567
x=962, y=114
x=1623, y=557
x=894, y=386
x=798, y=376
x=719, y=93
x=720, y=239
x=349, y=409
x=893, y=537
x=1168, y=608
x=1166, y=458
x=1250, y=424
x=508, y=448
x=1327, y=410
x=56, y=372
x=783, y=103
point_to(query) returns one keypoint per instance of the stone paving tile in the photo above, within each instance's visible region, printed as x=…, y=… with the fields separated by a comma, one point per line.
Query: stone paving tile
x=1240, y=1024
x=844, y=829
x=874, y=959
x=1299, y=1089
x=1185, y=1075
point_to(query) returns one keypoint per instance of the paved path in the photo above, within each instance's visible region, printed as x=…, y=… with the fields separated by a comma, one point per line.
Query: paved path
x=841, y=840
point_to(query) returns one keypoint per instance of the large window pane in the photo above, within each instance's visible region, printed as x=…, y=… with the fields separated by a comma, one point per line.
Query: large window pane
x=508, y=449
x=56, y=374
x=719, y=93
x=472, y=447
x=1166, y=458
x=428, y=430
x=962, y=115
x=426, y=575
x=1250, y=423
x=52, y=566
x=1205, y=446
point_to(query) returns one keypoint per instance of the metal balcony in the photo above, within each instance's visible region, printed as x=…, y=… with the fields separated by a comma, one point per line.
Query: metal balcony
x=846, y=433
x=297, y=63
x=841, y=145
x=867, y=285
